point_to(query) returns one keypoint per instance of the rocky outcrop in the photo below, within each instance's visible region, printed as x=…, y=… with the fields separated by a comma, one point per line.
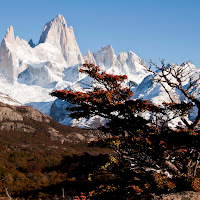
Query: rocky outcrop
x=17, y=126
x=19, y=113
x=13, y=117
x=33, y=114
x=29, y=120
x=7, y=113
x=31, y=43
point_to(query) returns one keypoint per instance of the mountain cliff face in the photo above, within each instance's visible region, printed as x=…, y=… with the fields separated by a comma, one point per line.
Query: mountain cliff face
x=59, y=35
x=7, y=56
x=29, y=72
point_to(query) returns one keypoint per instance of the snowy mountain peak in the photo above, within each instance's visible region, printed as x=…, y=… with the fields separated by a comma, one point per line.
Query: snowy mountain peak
x=56, y=24
x=125, y=63
x=187, y=63
x=107, y=49
x=29, y=73
x=105, y=58
x=59, y=35
x=60, y=17
x=10, y=35
x=88, y=53
x=89, y=57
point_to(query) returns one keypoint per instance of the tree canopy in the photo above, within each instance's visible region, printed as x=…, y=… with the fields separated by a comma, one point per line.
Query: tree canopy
x=108, y=98
x=163, y=156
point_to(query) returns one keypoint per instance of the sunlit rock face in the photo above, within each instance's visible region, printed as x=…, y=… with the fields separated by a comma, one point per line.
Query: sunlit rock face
x=125, y=63
x=59, y=35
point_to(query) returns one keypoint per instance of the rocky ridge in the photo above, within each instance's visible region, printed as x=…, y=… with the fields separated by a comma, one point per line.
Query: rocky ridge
x=26, y=119
x=125, y=63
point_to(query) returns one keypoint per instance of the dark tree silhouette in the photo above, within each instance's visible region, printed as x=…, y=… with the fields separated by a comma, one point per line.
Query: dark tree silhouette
x=140, y=144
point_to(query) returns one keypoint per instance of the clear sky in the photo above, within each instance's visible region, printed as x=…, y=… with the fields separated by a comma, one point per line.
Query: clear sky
x=153, y=29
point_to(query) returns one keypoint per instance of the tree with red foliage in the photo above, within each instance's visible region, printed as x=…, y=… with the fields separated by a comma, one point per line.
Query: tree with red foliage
x=109, y=99
x=155, y=149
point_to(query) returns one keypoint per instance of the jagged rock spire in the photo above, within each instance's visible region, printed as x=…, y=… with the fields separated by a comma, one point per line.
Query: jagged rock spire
x=59, y=35
x=10, y=35
x=106, y=56
x=31, y=43
x=89, y=57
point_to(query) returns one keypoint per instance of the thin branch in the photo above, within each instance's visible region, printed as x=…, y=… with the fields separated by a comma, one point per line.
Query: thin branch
x=7, y=193
x=179, y=77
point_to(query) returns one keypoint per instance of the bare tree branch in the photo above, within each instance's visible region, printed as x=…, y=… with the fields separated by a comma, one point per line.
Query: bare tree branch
x=175, y=76
x=7, y=193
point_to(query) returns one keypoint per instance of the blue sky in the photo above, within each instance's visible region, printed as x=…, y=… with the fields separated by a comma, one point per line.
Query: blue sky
x=153, y=29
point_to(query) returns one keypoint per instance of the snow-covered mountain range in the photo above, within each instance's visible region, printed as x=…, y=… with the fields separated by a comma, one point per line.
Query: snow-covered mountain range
x=29, y=72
